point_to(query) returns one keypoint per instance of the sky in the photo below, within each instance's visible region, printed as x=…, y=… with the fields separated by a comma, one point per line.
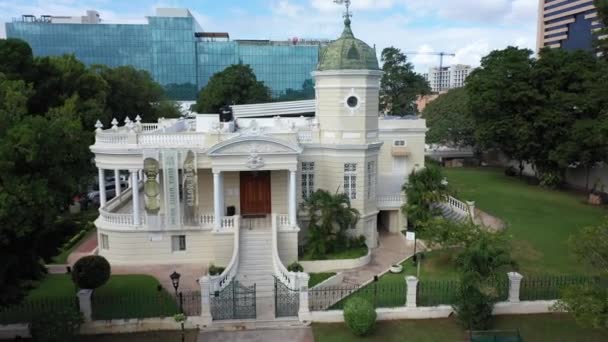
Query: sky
x=468, y=28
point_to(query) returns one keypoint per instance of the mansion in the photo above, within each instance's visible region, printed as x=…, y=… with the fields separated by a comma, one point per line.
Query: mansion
x=200, y=184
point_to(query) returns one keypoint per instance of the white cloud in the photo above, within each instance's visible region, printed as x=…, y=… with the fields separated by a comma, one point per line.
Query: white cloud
x=286, y=8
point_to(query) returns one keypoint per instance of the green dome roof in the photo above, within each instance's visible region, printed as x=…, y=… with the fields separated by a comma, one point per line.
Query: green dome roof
x=348, y=53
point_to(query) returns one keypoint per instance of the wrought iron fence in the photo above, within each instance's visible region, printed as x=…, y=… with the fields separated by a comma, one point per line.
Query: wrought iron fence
x=30, y=308
x=286, y=300
x=437, y=292
x=133, y=305
x=380, y=295
x=190, y=303
x=550, y=287
x=235, y=301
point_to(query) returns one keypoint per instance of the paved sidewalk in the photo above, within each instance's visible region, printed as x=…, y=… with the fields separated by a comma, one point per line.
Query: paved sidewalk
x=279, y=335
x=392, y=249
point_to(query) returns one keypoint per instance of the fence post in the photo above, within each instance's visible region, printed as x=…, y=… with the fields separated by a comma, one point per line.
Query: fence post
x=471, y=205
x=514, y=286
x=412, y=289
x=304, y=310
x=205, y=300
x=84, y=302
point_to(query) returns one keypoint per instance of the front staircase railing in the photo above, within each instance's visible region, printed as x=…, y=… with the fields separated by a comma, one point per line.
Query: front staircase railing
x=217, y=283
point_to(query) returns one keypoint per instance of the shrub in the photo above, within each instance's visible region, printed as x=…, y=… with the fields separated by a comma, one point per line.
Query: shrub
x=474, y=307
x=295, y=267
x=215, y=270
x=360, y=316
x=511, y=171
x=57, y=326
x=90, y=272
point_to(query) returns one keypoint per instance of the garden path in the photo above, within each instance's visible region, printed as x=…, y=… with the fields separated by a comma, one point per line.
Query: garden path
x=392, y=249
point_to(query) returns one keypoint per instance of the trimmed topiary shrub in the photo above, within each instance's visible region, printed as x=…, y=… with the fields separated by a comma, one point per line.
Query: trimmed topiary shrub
x=360, y=316
x=56, y=326
x=90, y=272
x=295, y=267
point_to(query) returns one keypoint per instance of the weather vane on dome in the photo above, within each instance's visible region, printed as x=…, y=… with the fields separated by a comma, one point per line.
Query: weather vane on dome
x=347, y=14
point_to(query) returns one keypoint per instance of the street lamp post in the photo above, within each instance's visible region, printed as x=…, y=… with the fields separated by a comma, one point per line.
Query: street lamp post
x=175, y=281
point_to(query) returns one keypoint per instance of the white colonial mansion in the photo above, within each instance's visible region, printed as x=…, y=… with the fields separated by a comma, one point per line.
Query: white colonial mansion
x=202, y=186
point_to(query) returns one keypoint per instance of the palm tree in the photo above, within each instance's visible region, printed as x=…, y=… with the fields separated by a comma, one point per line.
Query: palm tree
x=330, y=217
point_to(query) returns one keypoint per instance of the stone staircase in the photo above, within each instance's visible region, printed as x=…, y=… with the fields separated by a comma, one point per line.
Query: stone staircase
x=449, y=214
x=255, y=267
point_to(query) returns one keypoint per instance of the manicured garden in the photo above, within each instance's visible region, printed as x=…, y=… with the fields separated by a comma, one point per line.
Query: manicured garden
x=318, y=278
x=533, y=328
x=123, y=296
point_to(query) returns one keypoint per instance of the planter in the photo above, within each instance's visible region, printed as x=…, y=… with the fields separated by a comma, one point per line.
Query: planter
x=396, y=269
x=335, y=265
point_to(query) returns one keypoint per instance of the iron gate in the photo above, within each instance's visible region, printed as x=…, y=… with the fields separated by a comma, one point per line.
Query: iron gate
x=235, y=301
x=286, y=300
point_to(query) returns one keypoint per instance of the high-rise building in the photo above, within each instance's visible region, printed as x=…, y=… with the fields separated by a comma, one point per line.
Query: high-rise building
x=174, y=49
x=567, y=24
x=447, y=77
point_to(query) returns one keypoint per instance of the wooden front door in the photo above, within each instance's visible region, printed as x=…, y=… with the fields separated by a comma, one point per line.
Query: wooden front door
x=255, y=193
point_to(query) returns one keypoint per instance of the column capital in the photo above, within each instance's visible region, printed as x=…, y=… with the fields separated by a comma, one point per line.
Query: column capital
x=216, y=172
x=134, y=170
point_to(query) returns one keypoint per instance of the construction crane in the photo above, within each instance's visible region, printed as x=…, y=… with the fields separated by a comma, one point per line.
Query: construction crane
x=441, y=55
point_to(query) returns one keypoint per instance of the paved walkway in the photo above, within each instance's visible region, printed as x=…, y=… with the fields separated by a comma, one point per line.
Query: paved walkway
x=392, y=249
x=279, y=335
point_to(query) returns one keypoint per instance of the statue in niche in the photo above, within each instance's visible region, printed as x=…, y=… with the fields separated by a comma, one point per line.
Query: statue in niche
x=151, y=186
x=189, y=188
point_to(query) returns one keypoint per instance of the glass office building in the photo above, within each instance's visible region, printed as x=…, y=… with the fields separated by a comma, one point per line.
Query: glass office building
x=175, y=51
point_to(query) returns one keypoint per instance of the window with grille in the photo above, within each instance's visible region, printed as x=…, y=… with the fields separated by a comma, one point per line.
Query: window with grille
x=178, y=243
x=371, y=179
x=105, y=242
x=308, y=179
x=350, y=180
x=399, y=143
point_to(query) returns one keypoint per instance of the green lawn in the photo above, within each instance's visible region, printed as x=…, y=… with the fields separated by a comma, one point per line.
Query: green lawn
x=123, y=296
x=317, y=278
x=539, y=220
x=533, y=328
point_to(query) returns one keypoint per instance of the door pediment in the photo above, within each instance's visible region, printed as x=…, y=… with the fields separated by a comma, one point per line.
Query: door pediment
x=247, y=146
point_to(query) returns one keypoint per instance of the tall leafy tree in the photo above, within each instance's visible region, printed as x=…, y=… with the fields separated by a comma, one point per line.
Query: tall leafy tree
x=400, y=84
x=424, y=188
x=450, y=120
x=16, y=58
x=504, y=103
x=237, y=84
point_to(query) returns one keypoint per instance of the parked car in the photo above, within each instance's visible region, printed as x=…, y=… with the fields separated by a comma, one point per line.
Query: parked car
x=93, y=194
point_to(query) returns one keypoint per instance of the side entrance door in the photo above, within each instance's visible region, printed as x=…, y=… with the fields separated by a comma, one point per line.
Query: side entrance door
x=255, y=193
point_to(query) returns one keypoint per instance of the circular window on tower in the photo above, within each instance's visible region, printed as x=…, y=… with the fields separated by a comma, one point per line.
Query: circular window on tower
x=352, y=101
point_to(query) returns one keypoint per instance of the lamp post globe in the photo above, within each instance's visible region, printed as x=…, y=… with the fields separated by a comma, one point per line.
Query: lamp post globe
x=175, y=280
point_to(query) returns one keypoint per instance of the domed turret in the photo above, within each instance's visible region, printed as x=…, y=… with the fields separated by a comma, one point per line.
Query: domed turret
x=348, y=53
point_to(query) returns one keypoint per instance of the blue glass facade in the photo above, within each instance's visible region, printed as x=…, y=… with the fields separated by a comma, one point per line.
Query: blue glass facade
x=167, y=48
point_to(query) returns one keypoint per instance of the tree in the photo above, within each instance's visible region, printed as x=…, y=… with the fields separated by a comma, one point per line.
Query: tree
x=504, y=103
x=589, y=303
x=450, y=120
x=424, y=188
x=600, y=42
x=237, y=84
x=306, y=92
x=132, y=92
x=16, y=58
x=400, y=85
x=331, y=215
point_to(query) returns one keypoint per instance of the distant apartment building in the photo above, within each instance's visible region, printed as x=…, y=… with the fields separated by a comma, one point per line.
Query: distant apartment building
x=567, y=24
x=174, y=49
x=447, y=77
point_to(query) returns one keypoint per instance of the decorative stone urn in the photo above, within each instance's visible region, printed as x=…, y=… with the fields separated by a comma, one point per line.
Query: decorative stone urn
x=396, y=269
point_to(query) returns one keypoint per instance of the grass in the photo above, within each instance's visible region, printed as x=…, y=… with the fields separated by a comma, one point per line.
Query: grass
x=123, y=296
x=540, y=221
x=318, y=278
x=351, y=253
x=533, y=328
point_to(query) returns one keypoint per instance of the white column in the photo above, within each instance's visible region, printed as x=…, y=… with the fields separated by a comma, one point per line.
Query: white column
x=514, y=286
x=218, y=198
x=102, y=188
x=117, y=184
x=304, y=310
x=135, y=189
x=205, y=301
x=412, y=289
x=292, y=199
x=84, y=300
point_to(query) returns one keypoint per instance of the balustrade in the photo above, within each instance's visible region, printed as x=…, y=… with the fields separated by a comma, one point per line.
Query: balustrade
x=392, y=201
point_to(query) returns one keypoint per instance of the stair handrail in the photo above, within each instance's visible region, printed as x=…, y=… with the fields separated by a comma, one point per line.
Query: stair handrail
x=217, y=283
x=289, y=279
